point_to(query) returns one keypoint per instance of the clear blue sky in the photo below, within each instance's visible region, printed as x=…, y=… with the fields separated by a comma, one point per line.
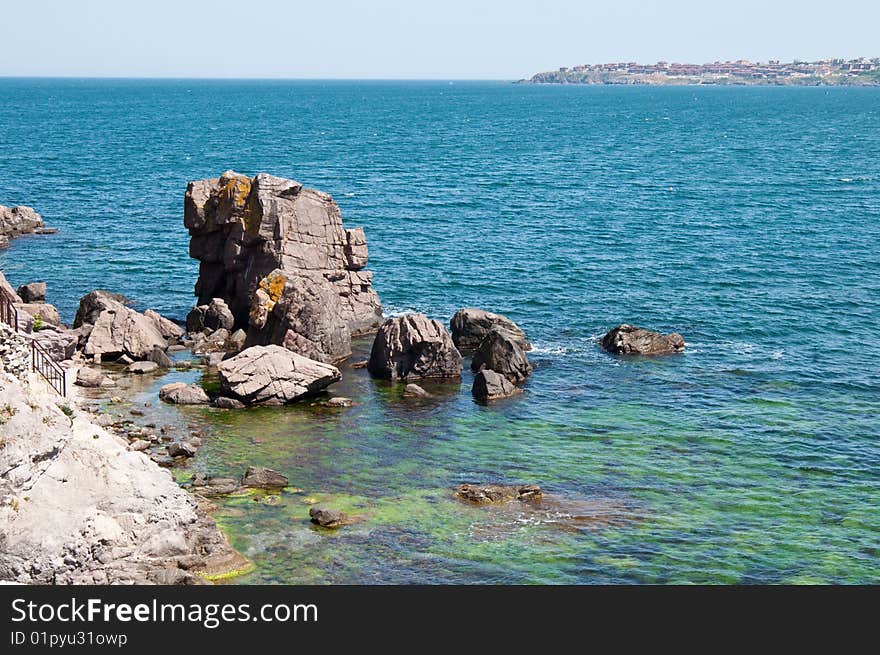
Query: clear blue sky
x=452, y=39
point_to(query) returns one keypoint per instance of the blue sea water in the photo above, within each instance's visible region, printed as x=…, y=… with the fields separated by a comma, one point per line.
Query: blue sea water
x=748, y=219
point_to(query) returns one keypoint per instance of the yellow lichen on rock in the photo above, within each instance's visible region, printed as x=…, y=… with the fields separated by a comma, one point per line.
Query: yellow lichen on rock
x=268, y=293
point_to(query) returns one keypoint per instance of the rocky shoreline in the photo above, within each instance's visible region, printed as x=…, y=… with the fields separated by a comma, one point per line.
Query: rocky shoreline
x=282, y=291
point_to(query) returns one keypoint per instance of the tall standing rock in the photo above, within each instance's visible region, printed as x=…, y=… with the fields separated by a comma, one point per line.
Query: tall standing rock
x=411, y=347
x=243, y=230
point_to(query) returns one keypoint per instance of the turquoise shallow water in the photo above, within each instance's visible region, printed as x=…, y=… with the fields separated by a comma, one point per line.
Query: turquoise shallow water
x=747, y=219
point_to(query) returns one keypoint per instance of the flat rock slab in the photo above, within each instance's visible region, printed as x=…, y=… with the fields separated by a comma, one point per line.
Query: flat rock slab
x=272, y=375
x=259, y=477
x=496, y=493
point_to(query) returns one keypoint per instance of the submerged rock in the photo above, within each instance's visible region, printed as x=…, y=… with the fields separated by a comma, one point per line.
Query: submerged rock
x=259, y=477
x=245, y=229
x=496, y=493
x=489, y=385
x=412, y=347
x=228, y=403
x=272, y=375
x=116, y=329
x=415, y=391
x=180, y=393
x=630, y=340
x=470, y=326
x=33, y=292
x=327, y=518
x=502, y=354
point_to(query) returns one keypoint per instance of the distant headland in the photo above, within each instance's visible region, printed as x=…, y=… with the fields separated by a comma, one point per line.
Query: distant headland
x=830, y=72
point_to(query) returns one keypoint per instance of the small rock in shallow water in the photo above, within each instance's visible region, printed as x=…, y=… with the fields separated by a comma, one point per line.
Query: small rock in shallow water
x=339, y=402
x=181, y=449
x=496, y=493
x=259, y=477
x=489, y=385
x=228, y=403
x=143, y=367
x=361, y=364
x=180, y=393
x=139, y=444
x=327, y=518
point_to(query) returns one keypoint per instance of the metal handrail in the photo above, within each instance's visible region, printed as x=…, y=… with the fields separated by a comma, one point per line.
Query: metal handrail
x=8, y=312
x=41, y=361
x=43, y=364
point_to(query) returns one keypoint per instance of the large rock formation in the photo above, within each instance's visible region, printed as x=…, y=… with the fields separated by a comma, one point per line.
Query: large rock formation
x=499, y=352
x=242, y=230
x=470, y=326
x=272, y=375
x=15, y=221
x=411, y=347
x=110, y=329
x=630, y=340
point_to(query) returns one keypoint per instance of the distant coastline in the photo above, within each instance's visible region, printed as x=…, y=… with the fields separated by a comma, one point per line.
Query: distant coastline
x=826, y=72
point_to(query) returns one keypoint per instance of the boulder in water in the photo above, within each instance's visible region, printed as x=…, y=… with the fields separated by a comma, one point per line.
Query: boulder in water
x=499, y=352
x=630, y=340
x=470, y=326
x=412, y=347
x=273, y=375
x=489, y=385
x=116, y=329
x=497, y=493
x=180, y=393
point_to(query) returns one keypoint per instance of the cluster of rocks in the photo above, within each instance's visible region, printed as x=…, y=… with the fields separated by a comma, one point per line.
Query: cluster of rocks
x=15, y=221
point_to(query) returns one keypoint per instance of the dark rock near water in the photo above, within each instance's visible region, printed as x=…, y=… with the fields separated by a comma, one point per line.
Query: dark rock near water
x=242, y=230
x=496, y=493
x=489, y=385
x=180, y=393
x=181, y=449
x=228, y=403
x=161, y=359
x=273, y=375
x=211, y=316
x=630, y=340
x=259, y=477
x=33, y=292
x=470, y=326
x=116, y=329
x=502, y=354
x=412, y=347
x=327, y=518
